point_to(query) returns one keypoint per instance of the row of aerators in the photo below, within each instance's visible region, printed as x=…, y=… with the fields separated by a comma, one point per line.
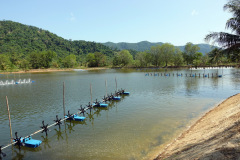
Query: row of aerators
x=11, y=82
x=186, y=75
x=33, y=143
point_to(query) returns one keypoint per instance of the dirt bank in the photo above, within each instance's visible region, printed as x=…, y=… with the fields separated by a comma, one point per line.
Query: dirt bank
x=216, y=135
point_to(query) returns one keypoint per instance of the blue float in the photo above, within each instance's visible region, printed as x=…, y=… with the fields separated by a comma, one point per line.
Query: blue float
x=29, y=142
x=33, y=143
x=126, y=93
x=75, y=117
x=100, y=105
x=116, y=98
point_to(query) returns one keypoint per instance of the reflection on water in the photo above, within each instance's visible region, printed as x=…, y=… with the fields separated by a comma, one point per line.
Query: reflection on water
x=132, y=128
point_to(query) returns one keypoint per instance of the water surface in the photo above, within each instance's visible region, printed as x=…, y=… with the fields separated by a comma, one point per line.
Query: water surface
x=133, y=128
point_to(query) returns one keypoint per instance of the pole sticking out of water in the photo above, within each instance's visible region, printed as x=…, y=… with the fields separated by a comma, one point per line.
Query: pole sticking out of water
x=9, y=118
x=116, y=83
x=106, y=86
x=64, y=113
x=91, y=92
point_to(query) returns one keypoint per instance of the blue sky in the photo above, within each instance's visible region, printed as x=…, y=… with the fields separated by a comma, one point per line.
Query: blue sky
x=173, y=21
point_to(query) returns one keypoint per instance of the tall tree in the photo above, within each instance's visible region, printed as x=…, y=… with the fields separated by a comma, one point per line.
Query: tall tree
x=4, y=62
x=69, y=61
x=177, y=57
x=189, y=53
x=141, y=57
x=122, y=58
x=156, y=55
x=167, y=51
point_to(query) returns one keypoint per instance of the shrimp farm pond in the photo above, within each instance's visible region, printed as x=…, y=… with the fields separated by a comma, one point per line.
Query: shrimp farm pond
x=161, y=104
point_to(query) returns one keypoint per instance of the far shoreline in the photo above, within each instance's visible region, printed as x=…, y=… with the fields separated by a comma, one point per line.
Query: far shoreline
x=53, y=70
x=101, y=68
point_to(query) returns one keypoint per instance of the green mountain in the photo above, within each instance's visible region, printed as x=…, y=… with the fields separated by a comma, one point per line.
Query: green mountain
x=20, y=38
x=145, y=45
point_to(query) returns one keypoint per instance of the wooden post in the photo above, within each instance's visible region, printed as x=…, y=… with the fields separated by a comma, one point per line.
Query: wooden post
x=106, y=86
x=91, y=92
x=9, y=118
x=116, y=82
x=64, y=113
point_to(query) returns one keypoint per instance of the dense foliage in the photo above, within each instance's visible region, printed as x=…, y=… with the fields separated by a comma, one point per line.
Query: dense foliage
x=16, y=37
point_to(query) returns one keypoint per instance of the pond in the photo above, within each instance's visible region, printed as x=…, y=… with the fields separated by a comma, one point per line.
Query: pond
x=157, y=109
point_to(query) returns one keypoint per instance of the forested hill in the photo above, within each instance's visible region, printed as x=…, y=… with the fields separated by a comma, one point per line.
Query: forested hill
x=145, y=45
x=20, y=38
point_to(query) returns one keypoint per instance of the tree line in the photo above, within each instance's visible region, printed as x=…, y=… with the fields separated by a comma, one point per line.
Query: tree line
x=158, y=56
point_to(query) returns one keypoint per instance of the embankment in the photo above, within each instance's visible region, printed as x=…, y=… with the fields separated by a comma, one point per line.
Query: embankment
x=216, y=135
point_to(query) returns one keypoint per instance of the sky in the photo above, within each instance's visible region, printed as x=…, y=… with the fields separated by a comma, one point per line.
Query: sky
x=173, y=21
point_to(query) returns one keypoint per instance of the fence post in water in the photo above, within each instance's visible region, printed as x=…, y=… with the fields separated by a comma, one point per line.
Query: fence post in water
x=212, y=75
x=64, y=113
x=91, y=92
x=116, y=81
x=106, y=86
x=199, y=75
x=208, y=75
x=9, y=118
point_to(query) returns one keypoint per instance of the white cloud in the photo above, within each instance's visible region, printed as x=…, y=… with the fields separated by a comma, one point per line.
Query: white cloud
x=194, y=13
x=73, y=18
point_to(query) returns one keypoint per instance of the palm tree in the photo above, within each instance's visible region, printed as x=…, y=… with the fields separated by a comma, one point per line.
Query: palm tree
x=215, y=55
x=230, y=42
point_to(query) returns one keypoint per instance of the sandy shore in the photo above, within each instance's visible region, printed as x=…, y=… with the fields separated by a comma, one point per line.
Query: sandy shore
x=214, y=136
x=53, y=70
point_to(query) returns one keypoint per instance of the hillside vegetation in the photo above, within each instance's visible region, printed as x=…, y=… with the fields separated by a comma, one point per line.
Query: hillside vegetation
x=145, y=45
x=20, y=38
x=24, y=47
